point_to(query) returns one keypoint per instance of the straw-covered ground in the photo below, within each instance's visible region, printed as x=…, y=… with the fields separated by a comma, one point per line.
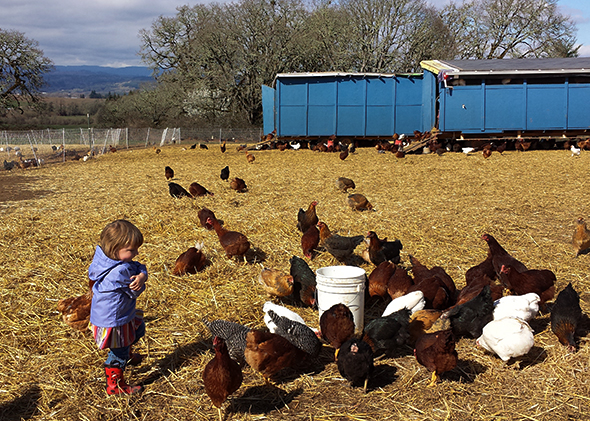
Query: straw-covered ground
x=438, y=206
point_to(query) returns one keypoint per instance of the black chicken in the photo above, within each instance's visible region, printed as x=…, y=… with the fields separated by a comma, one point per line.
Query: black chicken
x=469, y=319
x=381, y=250
x=304, y=281
x=169, y=173
x=565, y=316
x=224, y=173
x=176, y=190
x=355, y=362
x=386, y=334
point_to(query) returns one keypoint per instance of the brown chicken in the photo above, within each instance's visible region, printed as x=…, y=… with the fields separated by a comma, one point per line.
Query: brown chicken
x=420, y=272
x=436, y=293
x=337, y=325
x=399, y=283
x=486, y=153
x=234, y=243
x=169, y=173
x=196, y=190
x=269, y=353
x=276, y=283
x=541, y=282
x=339, y=246
x=250, y=157
x=581, y=237
x=76, y=310
x=344, y=184
x=191, y=261
x=500, y=257
x=502, y=148
x=203, y=215
x=344, y=154
x=381, y=250
x=359, y=202
x=238, y=185
x=420, y=322
x=565, y=316
x=310, y=241
x=379, y=278
x=436, y=351
x=482, y=271
x=222, y=376
x=306, y=219
x=472, y=290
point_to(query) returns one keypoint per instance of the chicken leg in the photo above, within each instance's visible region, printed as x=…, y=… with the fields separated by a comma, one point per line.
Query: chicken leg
x=433, y=379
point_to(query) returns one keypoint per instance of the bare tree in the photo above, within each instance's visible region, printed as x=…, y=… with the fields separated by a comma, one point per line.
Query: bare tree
x=486, y=29
x=21, y=72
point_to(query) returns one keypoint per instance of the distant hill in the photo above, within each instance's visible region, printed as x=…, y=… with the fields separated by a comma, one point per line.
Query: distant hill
x=76, y=80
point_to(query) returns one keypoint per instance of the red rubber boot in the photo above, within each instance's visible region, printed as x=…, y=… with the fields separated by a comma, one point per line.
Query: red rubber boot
x=116, y=384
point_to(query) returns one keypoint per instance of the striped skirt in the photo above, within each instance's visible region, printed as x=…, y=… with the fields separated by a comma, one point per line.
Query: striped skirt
x=116, y=337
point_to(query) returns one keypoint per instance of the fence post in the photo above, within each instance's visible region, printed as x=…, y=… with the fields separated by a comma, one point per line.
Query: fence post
x=63, y=144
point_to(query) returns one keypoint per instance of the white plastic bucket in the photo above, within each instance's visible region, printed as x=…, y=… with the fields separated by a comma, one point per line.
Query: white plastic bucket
x=345, y=285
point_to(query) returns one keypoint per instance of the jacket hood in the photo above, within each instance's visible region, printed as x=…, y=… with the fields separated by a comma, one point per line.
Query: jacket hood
x=101, y=265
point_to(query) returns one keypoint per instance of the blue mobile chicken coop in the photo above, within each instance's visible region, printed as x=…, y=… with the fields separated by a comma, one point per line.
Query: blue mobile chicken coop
x=463, y=99
x=367, y=105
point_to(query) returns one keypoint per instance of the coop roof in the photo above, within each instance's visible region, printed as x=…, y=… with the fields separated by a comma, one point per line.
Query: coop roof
x=546, y=66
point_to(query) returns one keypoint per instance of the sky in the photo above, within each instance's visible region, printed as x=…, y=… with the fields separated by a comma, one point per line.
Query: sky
x=106, y=32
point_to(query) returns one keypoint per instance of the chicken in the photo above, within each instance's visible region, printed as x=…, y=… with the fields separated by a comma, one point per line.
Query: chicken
x=344, y=184
x=196, y=190
x=76, y=310
x=413, y=301
x=507, y=338
x=501, y=257
x=205, y=214
x=177, y=191
x=234, y=243
x=379, y=278
x=359, y=202
x=389, y=333
x=112, y=149
x=191, y=261
x=304, y=281
x=581, y=237
x=251, y=158
x=486, y=153
x=203, y=146
x=299, y=334
x=525, y=307
x=420, y=272
x=355, y=362
x=502, y=148
x=306, y=219
x=169, y=173
x=399, y=283
x=222, y=147
x=344, y=154
x=436, y=351
x=276, y=283
x=338, y=246
x=269, y=353
x=234, y=335
x=337, y=325
x=238, y=185
x=575, y=151
x=541, y=282
x=281, y=311
x=421, y=322
x=565, y=316
x=310, y=241
x=472, y=290
x=222, y=376
x=436, y=293
x=224, y=175
x=481, y=271
x=381, y=250
x=468, y=319
x=157, y=150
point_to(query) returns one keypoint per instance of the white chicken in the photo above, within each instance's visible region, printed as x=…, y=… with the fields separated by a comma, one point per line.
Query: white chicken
x=508, y=337
x=295, y=145
x=281, y=311
x=524, y=307
x=413, y=301
x=575, y=151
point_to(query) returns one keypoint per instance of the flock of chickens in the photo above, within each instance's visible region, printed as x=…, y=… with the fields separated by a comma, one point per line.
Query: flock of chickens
x=427, y=313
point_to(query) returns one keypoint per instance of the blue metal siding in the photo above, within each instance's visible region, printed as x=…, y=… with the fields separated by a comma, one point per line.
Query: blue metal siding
x=546, y=107
x=462, y=109
x=504, y=107
x=347, y=105
x=578, y=116
x=268, y=109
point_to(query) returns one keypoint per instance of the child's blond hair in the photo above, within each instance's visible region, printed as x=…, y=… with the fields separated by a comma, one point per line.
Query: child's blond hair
x=117, y=235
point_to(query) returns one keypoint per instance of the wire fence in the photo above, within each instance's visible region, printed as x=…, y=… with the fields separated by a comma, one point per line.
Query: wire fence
x=35, y=147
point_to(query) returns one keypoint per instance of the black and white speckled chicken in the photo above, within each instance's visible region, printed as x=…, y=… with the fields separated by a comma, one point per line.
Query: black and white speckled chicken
x=234, y=335
x=297, y=333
